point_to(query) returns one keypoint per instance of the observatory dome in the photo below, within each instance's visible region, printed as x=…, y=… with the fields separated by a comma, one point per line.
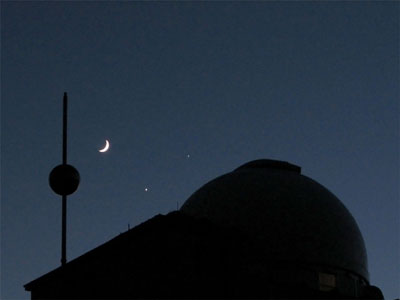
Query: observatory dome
x=296, y=219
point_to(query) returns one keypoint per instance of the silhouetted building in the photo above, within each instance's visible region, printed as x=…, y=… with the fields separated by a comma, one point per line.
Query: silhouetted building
x=261, y=231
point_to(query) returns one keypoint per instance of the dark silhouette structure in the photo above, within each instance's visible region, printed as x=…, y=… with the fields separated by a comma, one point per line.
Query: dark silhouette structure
x=64, y=180
x=261, y=231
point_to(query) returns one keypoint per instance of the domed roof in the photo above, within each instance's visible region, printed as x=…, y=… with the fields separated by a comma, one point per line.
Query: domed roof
x=293, y=216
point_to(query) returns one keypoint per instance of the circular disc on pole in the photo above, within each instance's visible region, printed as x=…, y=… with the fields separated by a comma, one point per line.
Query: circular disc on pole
x=64, y=179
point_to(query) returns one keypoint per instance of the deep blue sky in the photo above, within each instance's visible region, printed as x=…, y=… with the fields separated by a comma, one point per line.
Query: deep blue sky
x=312, y=83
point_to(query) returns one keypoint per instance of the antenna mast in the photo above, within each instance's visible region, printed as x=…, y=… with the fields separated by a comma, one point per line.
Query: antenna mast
x=64, y=197
x=64, y=180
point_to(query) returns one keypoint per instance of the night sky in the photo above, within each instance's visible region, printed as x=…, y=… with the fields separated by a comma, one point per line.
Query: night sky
x=185, y=92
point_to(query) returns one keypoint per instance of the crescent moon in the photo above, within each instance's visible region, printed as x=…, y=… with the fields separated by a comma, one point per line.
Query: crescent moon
x=105, y=147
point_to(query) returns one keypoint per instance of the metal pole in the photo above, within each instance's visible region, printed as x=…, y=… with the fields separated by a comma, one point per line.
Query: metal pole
x=64, y=231
x=64, y=197
x=64, y=150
